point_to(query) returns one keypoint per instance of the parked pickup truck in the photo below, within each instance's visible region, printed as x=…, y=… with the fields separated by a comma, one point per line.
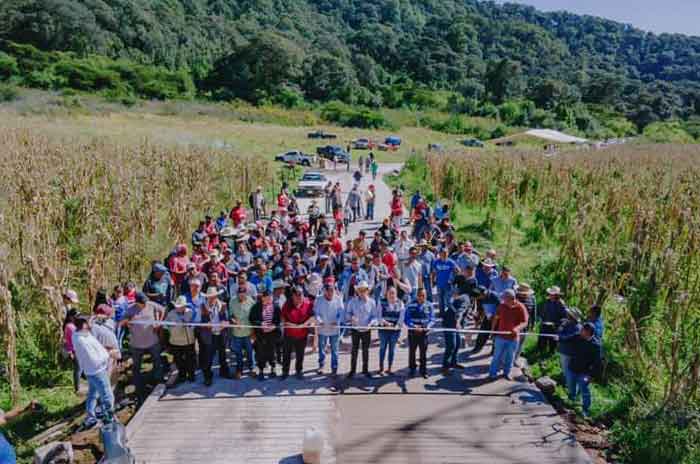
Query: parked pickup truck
x=334, y=152
x=295, y=157
x=363, y=144
x=319, y=134
x=311, y=184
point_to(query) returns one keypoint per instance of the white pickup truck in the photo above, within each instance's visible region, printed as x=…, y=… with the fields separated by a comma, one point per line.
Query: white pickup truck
x=295, y=157
x=311, y=184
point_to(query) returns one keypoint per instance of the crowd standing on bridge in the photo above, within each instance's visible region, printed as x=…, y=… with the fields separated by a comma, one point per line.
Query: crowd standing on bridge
x=264, y=285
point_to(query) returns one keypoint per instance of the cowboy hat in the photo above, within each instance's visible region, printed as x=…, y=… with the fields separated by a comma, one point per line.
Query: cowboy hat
x=180, y=302
x=228, y=231
x=488, y=263
x=554, y=290
x=524, y=289
x=276, y=284
x=363, y=285
x=212, y=292
x=71, y=296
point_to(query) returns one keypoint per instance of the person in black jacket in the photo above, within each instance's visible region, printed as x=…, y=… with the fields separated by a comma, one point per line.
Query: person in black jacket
x=267, y=314
x=585, y=363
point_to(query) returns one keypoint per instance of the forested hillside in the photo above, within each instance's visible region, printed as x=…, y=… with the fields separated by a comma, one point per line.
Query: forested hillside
x=553, y=69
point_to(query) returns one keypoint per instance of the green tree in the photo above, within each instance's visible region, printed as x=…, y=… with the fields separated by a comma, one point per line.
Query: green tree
x=501, y=79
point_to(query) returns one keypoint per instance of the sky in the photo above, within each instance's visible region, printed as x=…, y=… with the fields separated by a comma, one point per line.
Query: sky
x=682, y=16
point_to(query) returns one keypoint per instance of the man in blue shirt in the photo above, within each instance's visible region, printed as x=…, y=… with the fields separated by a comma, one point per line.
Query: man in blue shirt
x=595, y=317
x=444, y=270
x=503, y=282
x=7, y=452
x=426, y=258
x=419, y=319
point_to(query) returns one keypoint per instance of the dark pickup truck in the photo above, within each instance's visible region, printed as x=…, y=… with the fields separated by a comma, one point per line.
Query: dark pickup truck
x=319, y=134
x=334, y=152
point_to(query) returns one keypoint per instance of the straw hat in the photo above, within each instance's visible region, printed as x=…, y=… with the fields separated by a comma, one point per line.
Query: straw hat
x=279, y=283
x=363, y=285
x=212, y=292
x=228, y=231
x=524, y=289
x=554, y=290
x=180, y=302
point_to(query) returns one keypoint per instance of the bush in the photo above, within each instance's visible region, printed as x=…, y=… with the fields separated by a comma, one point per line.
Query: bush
x=8, y=93
x=8, y=66
x=667, y=437
x=351, y=117
x=667, y=132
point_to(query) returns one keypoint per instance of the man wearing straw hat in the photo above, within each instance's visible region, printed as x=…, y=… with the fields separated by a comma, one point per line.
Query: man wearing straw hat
x=553, y=311
x=182, y=340
x=511, y=317
x=419, y=319
x=240, y=306
x=526, y=295
x=362, y=312
x=212, y=340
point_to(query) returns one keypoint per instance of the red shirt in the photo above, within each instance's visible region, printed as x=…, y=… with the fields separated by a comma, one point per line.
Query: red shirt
x=396, y=207
x=297, y=315
x=389, y=260
x=509, y=317
x=238, y=215
x=337, y=246
x=178, y=267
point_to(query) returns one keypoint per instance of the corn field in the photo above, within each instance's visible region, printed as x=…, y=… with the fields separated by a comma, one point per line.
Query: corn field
x=90, y=215
x=626, y=222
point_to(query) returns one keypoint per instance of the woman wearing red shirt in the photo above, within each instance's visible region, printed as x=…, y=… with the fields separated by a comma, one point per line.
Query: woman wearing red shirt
x=396, y=209
x=297, y=314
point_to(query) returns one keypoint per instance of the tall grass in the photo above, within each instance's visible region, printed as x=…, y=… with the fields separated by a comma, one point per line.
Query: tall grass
x=90, y=214
x=626, y=224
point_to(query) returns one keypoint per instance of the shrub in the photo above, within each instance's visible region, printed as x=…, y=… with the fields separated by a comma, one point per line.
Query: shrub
x=8, y=93
x=351, y=117
x=8, y=66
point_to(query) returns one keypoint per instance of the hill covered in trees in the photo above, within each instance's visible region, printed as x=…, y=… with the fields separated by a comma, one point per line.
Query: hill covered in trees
x=469, y=57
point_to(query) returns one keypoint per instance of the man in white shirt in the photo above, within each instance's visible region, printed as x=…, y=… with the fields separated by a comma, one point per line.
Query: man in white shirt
x=94, y=361
x=328, y=309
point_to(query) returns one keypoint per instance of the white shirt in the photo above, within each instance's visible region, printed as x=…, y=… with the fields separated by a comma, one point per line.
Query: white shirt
x=91, y=355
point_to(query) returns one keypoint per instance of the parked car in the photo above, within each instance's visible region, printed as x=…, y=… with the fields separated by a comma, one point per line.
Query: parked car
x=295, y=157
x=334, y=152
x=387, y=147
x=363, y=144
x=436, y=147
x=319, y=134
x=311, y=184
x=393, y=140
x=472, y=143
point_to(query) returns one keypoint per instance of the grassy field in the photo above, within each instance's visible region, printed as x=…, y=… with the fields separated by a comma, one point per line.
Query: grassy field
x=239, y=129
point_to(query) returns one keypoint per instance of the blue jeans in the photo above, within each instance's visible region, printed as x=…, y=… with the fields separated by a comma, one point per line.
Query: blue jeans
x=503, y=355
x=240, y=344
x=444, y=295
x=99, y=387
x=387, y=339
x=569, y=377
x=451, y=349
x=428, y=288
x=370, y=211
x=581, y=384
x=333, y=341
x=7, y=452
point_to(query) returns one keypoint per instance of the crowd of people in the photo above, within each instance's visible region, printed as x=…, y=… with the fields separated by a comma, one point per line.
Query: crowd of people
x=254, y=289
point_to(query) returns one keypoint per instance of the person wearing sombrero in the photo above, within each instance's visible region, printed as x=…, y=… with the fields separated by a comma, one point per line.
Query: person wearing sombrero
x=552, y=313
x=181, y=340
x=419, y=319
x=361, y=312
x=212, y=340
x=526, y=295
x=240, y=307
x=568, y=332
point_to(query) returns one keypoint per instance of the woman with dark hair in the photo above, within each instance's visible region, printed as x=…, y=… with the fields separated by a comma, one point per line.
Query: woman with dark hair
x=267, y=314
